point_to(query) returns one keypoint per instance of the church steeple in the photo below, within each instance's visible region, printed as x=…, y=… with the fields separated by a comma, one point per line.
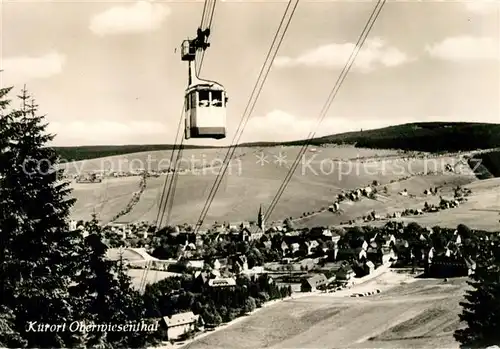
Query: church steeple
x=260, y=219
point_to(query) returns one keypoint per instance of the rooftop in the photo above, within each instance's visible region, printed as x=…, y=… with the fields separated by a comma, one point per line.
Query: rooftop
x=180, y=319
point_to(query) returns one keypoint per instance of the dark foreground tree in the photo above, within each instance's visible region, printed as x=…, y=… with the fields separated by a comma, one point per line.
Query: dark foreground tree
x=38, y=251
x=481, y=311
x=106, y=296
x=50, y=275
x=8, y=336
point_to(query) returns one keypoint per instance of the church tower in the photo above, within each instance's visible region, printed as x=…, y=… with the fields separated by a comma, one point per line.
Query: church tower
x=260, y=219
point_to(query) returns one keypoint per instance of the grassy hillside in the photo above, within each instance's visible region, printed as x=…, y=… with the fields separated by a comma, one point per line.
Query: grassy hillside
x=408, y=313
x=247, y=184
x=430, y=137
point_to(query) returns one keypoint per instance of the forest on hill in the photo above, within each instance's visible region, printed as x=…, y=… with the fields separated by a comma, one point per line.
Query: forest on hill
x=432, y=137
x=486, y=165
x=87, y=152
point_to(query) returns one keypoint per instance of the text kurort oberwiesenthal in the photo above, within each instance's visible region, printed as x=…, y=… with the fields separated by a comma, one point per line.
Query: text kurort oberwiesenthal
x=80, y=326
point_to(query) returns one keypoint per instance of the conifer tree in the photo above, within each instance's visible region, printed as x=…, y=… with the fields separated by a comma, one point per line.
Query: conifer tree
x=7, y=332
x=106, y=296
x=481, y=311
x=37, y=249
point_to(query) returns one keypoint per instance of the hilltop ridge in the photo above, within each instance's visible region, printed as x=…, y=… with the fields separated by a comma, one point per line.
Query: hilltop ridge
x=421, y=136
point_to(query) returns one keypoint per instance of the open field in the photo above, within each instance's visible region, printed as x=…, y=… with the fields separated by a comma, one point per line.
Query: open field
x=482, y=211
x=407, y=314
x=320, y=176
x=152, y=276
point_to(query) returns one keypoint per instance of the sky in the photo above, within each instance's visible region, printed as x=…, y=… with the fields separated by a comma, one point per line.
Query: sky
x=109, y=72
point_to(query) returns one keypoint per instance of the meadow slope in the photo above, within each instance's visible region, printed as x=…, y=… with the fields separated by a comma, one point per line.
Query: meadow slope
x=320, y=176
x=407, y=314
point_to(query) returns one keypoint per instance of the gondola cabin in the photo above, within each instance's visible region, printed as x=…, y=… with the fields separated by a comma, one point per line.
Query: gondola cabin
x=188, y=51
x=205, y=108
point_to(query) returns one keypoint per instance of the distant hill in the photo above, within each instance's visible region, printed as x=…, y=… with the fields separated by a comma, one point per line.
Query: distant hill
x=430, y=137
x=422, y=136
x=98, y=151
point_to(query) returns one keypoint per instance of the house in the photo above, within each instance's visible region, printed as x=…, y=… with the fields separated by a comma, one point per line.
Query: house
x=313, y=283
x=396, y=214
x=442, y=266
x=364, y=246
x=267, y=245
x=311, y=246
x=379, y=239
x=387, y=255
x=199, y=241
x=374, y=253
x=307, y=263
x=293, y=234
x=189, y=247
x=346, y=254
x=240, y=264
x=233, y=226
x=345, y=273
x=369, y=267
x=217, y=264
x=295, y=247
x=367, y=191
x=180, y=324
x=391, y=240
x=284, y=248
x=223, y=262
x=219, y=229
x=194, y=264
x=292, y=237
x=202, y=277
x=402, y=250
x=254, y=271
x=73, y=225
x=318, y=232
x=235, y=235
x=327, y=234
x=222, y=282
x=275, y=227
x=251, y=233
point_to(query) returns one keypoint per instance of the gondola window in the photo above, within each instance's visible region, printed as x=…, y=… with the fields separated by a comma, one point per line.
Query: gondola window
x=217, y=98
x=204, y=98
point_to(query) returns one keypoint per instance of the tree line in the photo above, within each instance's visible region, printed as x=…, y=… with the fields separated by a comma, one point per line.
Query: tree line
x=215, y=304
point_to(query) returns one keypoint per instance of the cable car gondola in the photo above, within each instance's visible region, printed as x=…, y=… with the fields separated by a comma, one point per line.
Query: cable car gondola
x=205, y=109
x=204, y=100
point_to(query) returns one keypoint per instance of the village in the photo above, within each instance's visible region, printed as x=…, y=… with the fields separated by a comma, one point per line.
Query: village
x=280, y=259
x=263, y=263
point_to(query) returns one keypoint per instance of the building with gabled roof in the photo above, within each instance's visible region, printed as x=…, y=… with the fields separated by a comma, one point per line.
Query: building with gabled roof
x=180, y=324
x=222, y=282
x=313, y=283
x=251, y=233
x=345, y=273
x=442, y=266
